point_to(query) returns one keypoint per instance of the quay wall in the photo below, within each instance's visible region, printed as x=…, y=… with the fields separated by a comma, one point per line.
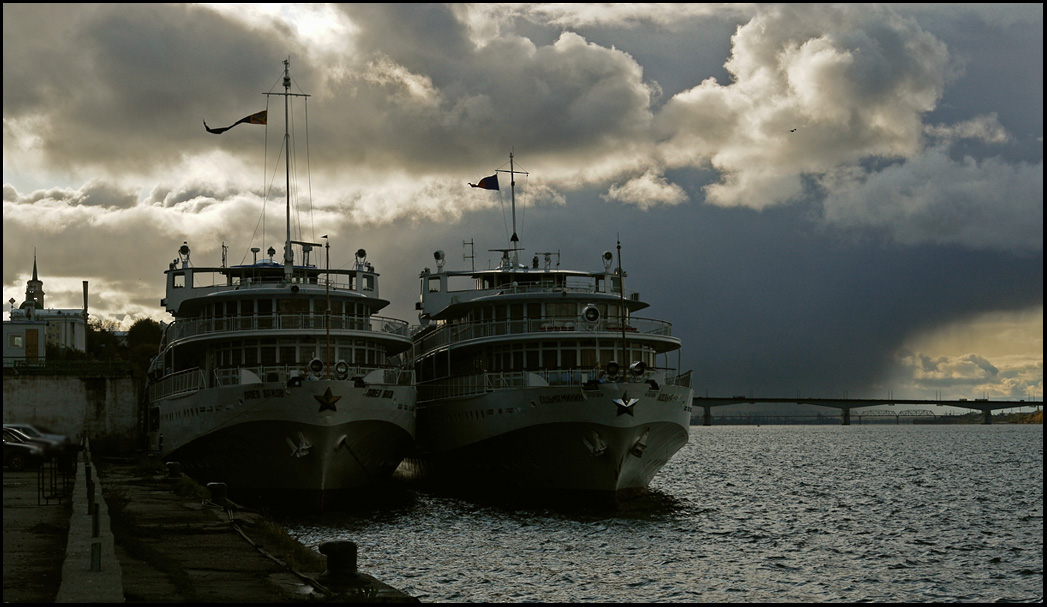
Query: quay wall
x=106, y=410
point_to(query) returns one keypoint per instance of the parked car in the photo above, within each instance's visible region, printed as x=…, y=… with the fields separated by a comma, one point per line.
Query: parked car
x=59, y=442
x=20, y=452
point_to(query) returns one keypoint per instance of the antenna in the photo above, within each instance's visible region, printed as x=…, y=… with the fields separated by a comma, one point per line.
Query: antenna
x=472, y=253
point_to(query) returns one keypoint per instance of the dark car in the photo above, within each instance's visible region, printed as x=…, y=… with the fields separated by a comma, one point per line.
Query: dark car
x=20, y=452
x=58, y=442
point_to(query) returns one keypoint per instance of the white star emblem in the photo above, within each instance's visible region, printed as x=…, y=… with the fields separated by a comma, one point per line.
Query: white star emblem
x=625, y=404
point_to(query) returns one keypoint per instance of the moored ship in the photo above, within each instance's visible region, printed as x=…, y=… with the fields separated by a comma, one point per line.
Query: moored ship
x=279, y=378
x=532, y=378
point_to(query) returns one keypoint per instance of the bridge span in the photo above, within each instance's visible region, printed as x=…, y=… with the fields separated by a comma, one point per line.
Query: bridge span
x=846, y=404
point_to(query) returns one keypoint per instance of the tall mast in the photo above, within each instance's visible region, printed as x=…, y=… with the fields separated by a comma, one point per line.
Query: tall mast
x=621, y=312
x=512, y=194
x=288, y=255
x=287, y=94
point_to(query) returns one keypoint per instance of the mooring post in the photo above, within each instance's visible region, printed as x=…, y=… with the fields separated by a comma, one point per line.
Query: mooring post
x=341, y=560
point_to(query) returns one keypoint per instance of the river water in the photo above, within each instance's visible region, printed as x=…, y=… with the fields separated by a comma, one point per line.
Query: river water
x=877, y=513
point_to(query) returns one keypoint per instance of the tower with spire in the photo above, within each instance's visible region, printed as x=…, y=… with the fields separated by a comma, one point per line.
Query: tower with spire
x=32, y=325
x=34, y=293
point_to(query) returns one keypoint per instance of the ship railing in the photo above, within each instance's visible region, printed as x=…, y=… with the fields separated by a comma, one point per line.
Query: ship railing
x=552, y=283
x=235, y=376
x=481, y=383
x=285, y=322
x=453, y=333
x=244, y=278
x=176, y=384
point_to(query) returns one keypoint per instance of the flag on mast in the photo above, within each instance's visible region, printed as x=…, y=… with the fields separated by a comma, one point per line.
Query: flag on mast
x=258, y=118
x=487, y=183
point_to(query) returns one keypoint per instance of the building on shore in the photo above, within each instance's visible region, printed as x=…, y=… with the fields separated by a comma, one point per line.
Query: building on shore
x=32, y=327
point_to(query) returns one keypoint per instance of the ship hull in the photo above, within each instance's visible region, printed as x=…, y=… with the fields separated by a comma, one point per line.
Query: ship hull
x=551, y=440
x=321, y=437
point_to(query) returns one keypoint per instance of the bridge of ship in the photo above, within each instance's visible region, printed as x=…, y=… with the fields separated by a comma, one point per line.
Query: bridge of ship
x=846, y=404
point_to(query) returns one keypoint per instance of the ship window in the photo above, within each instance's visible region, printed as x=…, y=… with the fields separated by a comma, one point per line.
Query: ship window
x=268, y=352
x=588, y=357
x=568, y=358
x=15, y=341
x=265, y=307
x=534, y=311
x=549, y=359
x=250, y=353
x=434, y=284
x=368, y=283
x=179, y=280
x=561, y=310
x=287, y=352
x=293, y=306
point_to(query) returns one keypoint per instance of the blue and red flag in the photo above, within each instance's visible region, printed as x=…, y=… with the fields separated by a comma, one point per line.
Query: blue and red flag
x=487, y=183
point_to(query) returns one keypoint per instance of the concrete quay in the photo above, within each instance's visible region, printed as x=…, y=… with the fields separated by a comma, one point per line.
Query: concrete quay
x=124, y=535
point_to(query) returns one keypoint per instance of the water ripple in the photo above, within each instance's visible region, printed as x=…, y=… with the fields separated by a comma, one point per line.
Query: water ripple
x=743, y=514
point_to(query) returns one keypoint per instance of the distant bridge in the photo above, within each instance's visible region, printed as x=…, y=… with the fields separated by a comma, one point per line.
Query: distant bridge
x=846, y=404
x=897, y=415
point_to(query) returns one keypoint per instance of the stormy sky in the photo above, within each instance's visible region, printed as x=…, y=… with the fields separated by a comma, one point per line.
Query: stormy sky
x=824, y=200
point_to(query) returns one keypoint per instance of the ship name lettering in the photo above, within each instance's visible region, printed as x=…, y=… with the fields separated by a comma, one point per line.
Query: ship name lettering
x=560, y=398
x=252, y=394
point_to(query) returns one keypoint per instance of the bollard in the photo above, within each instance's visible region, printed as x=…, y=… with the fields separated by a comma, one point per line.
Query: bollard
x=95, y=522
x=219, y=494
x=96, y=556
x=174, y=470
x=341, y=560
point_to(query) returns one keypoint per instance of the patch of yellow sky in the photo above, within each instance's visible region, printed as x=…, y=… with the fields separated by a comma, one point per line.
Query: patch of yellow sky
x=1010, y=340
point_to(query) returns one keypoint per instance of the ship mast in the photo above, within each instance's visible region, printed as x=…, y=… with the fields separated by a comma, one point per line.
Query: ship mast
x=512, y=195
x=287, y=94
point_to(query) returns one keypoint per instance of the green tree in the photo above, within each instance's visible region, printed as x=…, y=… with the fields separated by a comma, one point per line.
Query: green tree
x=143, y=342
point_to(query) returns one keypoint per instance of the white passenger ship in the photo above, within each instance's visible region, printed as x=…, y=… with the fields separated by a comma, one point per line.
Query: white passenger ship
x=280, y=378
x=535, y=378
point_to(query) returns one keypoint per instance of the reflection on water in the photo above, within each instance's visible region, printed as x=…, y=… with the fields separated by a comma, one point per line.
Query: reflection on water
x=741, y=514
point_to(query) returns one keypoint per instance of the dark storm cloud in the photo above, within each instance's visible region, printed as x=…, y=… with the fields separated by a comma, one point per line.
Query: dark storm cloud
x=119, y=87
x=800, y=189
